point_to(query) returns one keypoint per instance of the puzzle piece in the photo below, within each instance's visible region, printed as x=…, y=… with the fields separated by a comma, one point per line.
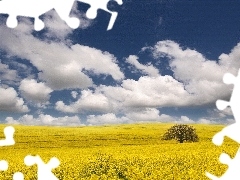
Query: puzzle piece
x=97, y=4
x=232, y=130
x=44, y=170
x=235, y=98
x=18, y=176
x=232, y=172
x=36, y=8
x=3, y=165
x=9, y=140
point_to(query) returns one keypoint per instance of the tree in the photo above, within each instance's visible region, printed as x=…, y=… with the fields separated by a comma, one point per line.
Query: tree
x=181, y=132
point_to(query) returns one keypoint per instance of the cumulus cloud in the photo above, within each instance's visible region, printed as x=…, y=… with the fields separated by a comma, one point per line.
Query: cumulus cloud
x=146, y=69
x=194, y=83
x=217, y=114
x=64, y=71
x=148, y=115
x=109, y=118
x=62, y=65
x=89, y=101
x=189, y=64
x=97, y=61
x=8, y=76
x=44, y=119
x=34, y=91
x=201, y=77
x=206, y=121
x=186, y=120
x=227, y=111
x=140, y=115
x=9, y=101
x=74, y=94
x=57, y=28
x=197, y=81
x=148, y=92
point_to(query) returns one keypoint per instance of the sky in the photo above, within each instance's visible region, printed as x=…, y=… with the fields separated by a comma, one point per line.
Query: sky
x=163, y=61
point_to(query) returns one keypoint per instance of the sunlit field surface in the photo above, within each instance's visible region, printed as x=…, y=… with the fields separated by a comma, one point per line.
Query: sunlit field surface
x=116, y=152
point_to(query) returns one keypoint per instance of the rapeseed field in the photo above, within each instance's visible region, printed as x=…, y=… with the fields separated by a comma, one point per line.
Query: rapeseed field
x=127, y=152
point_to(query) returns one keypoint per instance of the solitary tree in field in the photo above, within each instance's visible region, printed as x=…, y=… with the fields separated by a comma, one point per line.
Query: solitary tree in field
x=181, y=133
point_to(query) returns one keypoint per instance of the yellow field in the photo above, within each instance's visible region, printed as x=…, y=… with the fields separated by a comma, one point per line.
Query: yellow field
x=116, y=152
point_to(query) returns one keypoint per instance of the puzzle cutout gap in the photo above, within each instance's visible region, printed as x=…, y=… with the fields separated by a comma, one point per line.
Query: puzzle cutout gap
x=44, y=170
x=8, y=133
x=34, y=9
x=231, y=131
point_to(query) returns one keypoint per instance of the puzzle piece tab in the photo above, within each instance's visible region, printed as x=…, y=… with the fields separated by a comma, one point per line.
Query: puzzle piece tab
x=16, y=175
x=44, y=171
x=232, y=172
x=36, y=8
x=231, y=131
x=9, y=140
x=3, y=165
x=101, y=4
x=235, y=98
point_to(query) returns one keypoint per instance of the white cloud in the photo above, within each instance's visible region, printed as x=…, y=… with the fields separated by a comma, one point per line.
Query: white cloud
x=56, y=27
x=227, y=111
x=140, y=115
x=60, y=64
x=186, y=120
x=230, y=121
x=189, y=64
x=216, y=114
x=109, y=118
x=231, y=60
x=201, y=77
x=43, y=119
x=7, y=75
x=146, y=69
x=148, y=92
x=89, y=101
x=196, y=81
x=34, y=91
x=74, y=94
x=148, y=115
x=10, y=120
x=206, y=121
x=84, y=21
x=9, y=101
x=97, y=61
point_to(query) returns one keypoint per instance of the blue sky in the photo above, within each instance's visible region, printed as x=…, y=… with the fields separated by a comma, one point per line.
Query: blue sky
x=163, y=61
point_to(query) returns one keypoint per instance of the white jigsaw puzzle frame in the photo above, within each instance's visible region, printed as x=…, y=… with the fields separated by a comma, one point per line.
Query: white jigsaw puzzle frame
x=231, y=131
x=34, y=9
